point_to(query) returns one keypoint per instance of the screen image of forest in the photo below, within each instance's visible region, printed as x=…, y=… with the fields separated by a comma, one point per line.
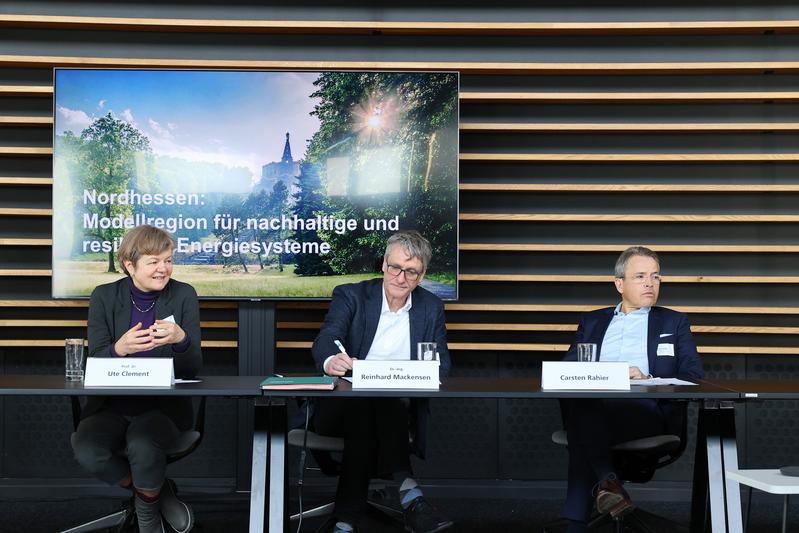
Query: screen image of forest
x=274, y=184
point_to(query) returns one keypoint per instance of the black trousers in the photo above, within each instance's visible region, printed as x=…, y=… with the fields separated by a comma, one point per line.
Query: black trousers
x=102, y=438
x=593, y=426
x=375, y=432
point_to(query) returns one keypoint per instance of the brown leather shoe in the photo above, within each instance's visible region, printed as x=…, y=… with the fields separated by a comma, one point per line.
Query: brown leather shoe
x=612, y=498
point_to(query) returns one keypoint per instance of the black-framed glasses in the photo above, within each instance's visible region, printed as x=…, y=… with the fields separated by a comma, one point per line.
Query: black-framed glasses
x=410, y=274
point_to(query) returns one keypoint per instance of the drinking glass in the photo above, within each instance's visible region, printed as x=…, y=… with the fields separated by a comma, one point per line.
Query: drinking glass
x=426, y=351
x=586, y=352
x=74, y=359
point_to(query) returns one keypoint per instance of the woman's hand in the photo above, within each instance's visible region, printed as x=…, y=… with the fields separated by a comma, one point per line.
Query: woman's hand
x=166, y=332
x=134, y=340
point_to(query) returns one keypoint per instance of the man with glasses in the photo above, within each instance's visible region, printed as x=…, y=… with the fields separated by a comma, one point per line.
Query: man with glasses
x=654, y=341
x=381, y=319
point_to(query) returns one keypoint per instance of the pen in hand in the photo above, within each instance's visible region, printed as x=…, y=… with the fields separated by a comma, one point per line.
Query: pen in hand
x=340, y=363
x=340, y=347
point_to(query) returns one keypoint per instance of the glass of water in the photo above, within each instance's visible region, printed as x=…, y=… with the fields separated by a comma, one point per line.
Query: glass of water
x=74, y=359
x=586, y=352
x=426, y=351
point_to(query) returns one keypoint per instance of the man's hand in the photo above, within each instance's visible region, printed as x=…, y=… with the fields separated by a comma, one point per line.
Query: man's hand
x=166, y=332
x=134, y=340
x=338, y=365
x=635, y=373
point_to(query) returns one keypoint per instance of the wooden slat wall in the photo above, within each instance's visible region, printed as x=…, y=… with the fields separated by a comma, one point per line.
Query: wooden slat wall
x=713, y=131
x=582, y=132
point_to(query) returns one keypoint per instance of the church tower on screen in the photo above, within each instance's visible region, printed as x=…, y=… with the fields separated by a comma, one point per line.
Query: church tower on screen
x=285, y=170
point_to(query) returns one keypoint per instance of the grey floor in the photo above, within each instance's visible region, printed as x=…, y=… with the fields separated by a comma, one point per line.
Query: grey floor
x=230, y=514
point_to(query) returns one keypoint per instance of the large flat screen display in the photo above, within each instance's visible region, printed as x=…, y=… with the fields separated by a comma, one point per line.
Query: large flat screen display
x=274, y=184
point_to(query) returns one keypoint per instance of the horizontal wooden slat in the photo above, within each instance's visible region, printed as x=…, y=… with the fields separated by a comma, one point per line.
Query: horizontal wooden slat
x=32, y=272
x=748, y=330
x=689, y=248
x=537, y=347
x=633, y=158
x=749, y=350
x=26, y=151
x=473, y=326
x=531, y=347
x=204, y=304
x=494, y=326
x=630, y=97
x=629, y=187
x=397, y=27
x=580, y=278
x=25, y=121
x=511, y=68
x=44, y=323
x=25, y=212
x=26, y=90
x=298, y=325
x=618, y=217
x=44, y=303
x=9, y=180
x=449, y=306
x=567, y=308
x=56, y=343
x=26, y=242
x=629, y=127
x=583, y=308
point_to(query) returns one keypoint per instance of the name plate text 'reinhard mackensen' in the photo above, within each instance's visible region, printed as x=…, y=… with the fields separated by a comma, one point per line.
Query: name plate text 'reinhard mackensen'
x=129, y=372
x=574, y=375
x=381, y=374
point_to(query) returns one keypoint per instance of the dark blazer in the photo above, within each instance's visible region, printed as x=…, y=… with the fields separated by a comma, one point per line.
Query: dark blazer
x=352, y=318
x=109, y=318
x=665, y=327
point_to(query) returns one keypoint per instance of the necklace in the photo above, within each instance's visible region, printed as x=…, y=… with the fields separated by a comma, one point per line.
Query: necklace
x=139, y=309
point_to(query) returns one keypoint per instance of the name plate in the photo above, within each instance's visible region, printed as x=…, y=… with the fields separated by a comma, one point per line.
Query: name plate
x=129, y=372
x=573, y=375
x=394, y=374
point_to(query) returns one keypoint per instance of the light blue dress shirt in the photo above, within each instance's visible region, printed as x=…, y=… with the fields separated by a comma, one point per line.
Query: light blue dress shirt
x=627, y=339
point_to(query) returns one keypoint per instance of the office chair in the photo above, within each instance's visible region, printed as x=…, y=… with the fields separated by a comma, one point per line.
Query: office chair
x=636, y=461
x=323, y=449
x=125, y=519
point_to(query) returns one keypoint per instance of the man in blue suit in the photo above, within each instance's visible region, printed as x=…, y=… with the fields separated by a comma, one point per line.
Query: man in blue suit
x=381, y=319
x=655, y=342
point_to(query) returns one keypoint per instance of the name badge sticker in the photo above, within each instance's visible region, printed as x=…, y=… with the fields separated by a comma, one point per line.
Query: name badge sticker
x=666, y=349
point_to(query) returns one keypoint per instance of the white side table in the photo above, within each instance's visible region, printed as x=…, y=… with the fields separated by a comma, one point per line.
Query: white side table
x=767, y=480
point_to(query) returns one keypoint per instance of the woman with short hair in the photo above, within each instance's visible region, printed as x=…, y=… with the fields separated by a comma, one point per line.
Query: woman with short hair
x=122, y=439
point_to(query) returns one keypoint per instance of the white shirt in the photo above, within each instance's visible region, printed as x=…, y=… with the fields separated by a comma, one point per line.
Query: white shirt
x=627, y=339
x=393, y=335
x=392, y=339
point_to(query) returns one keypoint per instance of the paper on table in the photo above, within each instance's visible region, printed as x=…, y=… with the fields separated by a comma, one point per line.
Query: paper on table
x=178, y=380
x=660, y=381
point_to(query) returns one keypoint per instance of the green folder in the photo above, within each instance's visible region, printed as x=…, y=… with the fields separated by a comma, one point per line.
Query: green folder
x=299, y=383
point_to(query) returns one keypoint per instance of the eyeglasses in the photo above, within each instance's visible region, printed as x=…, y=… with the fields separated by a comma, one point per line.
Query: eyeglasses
x=410, y=274
x=641, y=278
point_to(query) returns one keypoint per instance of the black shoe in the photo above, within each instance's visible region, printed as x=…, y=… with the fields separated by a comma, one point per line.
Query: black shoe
x=421, y=517
x=178, y=514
